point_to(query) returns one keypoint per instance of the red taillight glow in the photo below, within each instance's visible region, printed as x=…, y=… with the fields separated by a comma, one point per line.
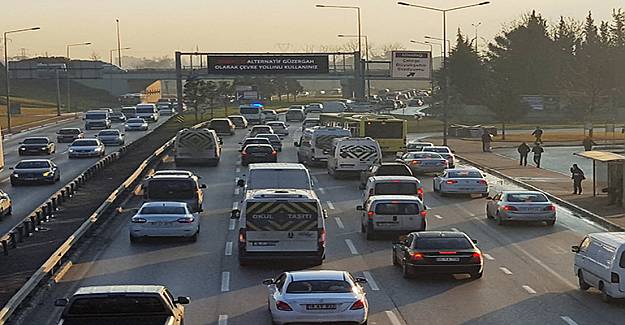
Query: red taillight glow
x=243, y=153
x=423, y=213
x=322, y=237
x=476, y=257
x=509, y=208
x=186, y=220
x=451, y=181
x=242, y=236
x=415, y=162
x=274, y=153
x=483, y=182
x=420, y=192
x=281, y=305
x=370, y=214
x=447, y=253
x=551, y=208
x=416, y=256
x=359, y=304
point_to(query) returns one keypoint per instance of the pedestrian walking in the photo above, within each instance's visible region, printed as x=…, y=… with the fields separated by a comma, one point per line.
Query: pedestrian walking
x=538, y=134
x=538, y=152
x=487, y=138
x=588, y=143
x=577, y=174
x=523, y=150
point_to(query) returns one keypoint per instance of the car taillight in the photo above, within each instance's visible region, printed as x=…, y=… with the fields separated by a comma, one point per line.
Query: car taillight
x=242, y=236
x=138, y=220
x=445, y=162
x=447, y=253
x=415, y=162
x=370, y=215
x=420, y=191
x=274, y=153
x=451, y=181
x=281, y=305
x=483, y=182
x=550, y=208
x=423, y=213
x=416, y=256
x=509, y=208
x=614, y=278
x=476, y=257
x=243, y=153
x=359, y=304
x=186, y=220
x=322, y=237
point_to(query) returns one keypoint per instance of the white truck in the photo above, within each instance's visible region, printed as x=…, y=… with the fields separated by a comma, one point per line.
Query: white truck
x=197, y=146
x=253, y=113
x=315, y=144
x=353, y=156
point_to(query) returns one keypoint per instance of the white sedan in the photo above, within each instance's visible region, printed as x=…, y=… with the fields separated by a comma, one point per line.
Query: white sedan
x=317, y=296
x=279, y=127
x=461, y=181
x=136, y=124
x=164, y=219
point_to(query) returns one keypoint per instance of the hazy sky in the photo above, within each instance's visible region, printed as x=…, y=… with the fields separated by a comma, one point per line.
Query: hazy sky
x=159, y=27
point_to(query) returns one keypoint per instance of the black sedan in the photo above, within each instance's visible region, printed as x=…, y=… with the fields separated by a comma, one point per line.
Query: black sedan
x=36, y=146
x=446, y=252
x=35, y=171
x=258, y=153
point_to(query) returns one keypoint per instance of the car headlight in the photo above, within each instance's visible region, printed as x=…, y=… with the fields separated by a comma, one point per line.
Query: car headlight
x=98, y=149
x=46, y=174
x=44, y=149
x=16, y=175
x=71, y=150
x=22, y=148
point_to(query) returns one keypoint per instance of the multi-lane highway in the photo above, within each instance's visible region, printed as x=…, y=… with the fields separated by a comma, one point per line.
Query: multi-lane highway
x=528, y=276
x=27, y=198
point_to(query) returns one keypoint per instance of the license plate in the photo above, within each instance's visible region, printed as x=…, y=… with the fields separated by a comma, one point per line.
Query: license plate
x=320, y=306
x=160, y=223
x=448, y=259
x=263, y=243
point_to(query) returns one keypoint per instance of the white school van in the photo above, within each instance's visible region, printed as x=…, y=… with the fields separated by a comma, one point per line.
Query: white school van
x=253, y=113
x=197, y=146
x=315, y=145
x=353, y=155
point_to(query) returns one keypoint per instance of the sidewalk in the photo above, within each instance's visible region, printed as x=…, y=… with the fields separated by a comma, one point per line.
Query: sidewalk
x=554, y=183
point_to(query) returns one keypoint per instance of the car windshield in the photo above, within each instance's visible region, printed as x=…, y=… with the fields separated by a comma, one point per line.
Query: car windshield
x=69, y=131
x=319, y=286
x=171, y=189
x=393, y=170
x=35, y=141
x=249, y=110
x=397, y=208
x=442, y=243
x=85, y=143
x=116, y=305
x=395, y=188
x=95, y=116
x=32, y=164
x=464, y=174
x=145, y=109
x=435, y=149
x=163, y=210
x=526, y=197
x=109, y=133
x=278, y=178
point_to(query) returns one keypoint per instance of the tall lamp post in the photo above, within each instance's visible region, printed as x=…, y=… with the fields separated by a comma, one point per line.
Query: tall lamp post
x=359, y=30
x=113, y=50
x=69, y=61
x=6, y=69
x=437, y=44
x=119, y=45
x=366, y=58
x=476, y=25
x=440, y=39
x=444, y=12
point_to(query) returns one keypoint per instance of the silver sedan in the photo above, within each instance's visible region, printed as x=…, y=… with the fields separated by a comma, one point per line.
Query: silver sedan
x=317, y=296
x=136, y=124
x=461, y=181
x=86, y=148
x=520, y=206
x=164, y=219
x=425, y=162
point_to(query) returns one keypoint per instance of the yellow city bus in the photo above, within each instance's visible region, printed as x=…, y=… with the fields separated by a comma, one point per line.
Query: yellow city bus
x=390, y=132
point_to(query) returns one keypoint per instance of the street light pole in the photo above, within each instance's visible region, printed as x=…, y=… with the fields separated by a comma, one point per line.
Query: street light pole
x=366, y=58
x=69, y=61
x=119, y=46
x=113, y=50
x=6, y=70
x=445, y=72
x=476, y=26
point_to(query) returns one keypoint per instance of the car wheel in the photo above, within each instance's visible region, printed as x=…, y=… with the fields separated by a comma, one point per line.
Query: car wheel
x=477, y=275
x=405, y=271
x=551, y=223
x=193, y=238
x=134, y=239
x=484, y=194
x=395, y=261
x=605, y=296
x=362, y=228
x=369, y=233
x=500, y=221
x=582, y=283
x=488, y=216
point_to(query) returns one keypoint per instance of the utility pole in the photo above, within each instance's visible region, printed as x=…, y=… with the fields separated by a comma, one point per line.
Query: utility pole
x=476, y=26
x=119, y=46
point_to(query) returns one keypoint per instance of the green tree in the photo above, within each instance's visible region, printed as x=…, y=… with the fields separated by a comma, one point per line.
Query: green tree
x=195, y=95
x=293, y=87
x=466, y=72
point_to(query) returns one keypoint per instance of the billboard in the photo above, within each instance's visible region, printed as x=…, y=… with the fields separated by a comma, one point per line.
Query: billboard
x=267, y=65
x=411, y=65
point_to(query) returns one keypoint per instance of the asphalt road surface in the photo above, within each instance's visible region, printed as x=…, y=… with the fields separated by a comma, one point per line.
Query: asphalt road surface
x=28, y=198
x=528, y=277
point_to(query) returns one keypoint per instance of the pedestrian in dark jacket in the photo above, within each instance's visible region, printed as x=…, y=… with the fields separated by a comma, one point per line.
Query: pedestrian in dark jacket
x=577, y=174
x=486, y=140
x=588, y=143
x=538, y=152
x=538, y=134
x=523, y=150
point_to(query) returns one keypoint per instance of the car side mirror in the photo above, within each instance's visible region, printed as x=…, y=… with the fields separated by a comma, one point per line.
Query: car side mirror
x=269, y=282
x=235, y=214
x=62, y=302
x=402, y=239
x=360, y=280
x=575, y=249
x=489, y=197
x=183, y=300
x=360, y=208
x=203, y=186
x=241, y=183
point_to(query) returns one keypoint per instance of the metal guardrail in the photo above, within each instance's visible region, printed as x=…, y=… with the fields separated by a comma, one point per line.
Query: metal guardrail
x=54, y=262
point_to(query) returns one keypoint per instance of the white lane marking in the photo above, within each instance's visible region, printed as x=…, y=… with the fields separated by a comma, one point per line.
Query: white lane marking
x=228, y=251
x=351, y=247
x=225, y=281
x=235, y=205
x=392, y=317
x=505, y=270
x=438, y=216
x=529, y=289
x=455, y=229
x=330, y=205
x=322, y=191
x=489, y=257
x=236, y=191
x=568, y=320
x=370, y=281
x=223, y=320
x=232, y=224
x=238, y=170
x=339, y=222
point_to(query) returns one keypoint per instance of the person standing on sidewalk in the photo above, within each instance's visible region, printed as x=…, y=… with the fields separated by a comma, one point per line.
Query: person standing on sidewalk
x=538, y=152
x=538, y=134
x=523, y=150
x=588, y=143
x=486, y=140
x=577, y=174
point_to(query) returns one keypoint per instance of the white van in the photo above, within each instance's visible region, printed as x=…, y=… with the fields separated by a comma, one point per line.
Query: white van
x=197, y=146
x=252, y=113
x=281, y=224
x=315, y=144
x=392, y=214
x=97, y=119
x=392, y=185
x=147, y=112
x=353, y=155
x=276, y=176
x=600, y=263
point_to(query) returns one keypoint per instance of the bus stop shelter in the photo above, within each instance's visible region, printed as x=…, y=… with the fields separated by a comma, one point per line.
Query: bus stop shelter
x=613, y=177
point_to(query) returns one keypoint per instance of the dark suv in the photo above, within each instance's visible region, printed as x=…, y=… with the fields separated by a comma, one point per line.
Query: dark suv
x=222, y=126
x=385, y=169
x=36, y=146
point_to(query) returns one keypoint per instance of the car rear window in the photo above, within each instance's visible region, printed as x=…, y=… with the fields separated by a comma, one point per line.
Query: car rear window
x=397, y=208
x=395, y=188
x=254, y=148
x=168, y=189
x=526, y=197
x=220, y=123
x=442, y=243
x=256, y=141
x=163, y=210
x=393, y=170
x=423, y=155
x=136, y=120
x=109, y=133
x=464, y=174
x=319, y=286
x=439, y=150
x=69, y=131
x=116, y=305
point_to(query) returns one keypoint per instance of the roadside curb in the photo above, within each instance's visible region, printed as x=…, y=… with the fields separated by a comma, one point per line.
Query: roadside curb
x=6, y=136
x=575, y=208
